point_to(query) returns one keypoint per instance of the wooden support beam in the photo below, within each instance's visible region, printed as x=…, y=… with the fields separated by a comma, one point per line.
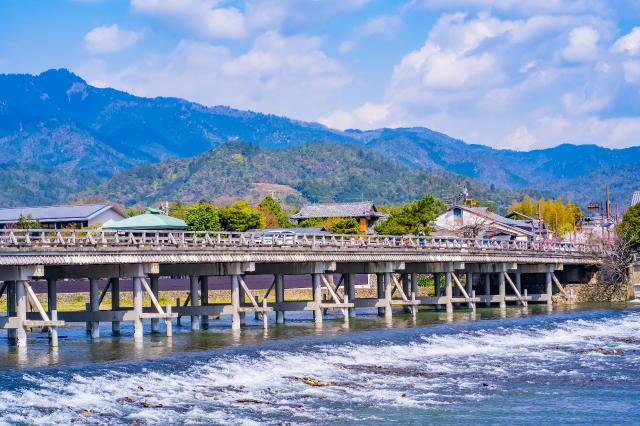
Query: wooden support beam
x=152, y=296
x=560, y=287
x=466, y=296
x=515, y=289
x=104, y=292
x=34, y=300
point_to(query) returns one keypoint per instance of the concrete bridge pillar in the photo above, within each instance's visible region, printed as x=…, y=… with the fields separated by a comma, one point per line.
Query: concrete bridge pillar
x=350, y=291
x=406, y=287
x=11, y=308
x=549, y=286
x=469, y=289
x=195, y=301
x=448, y=291
x=204, y=299
x=115, y=304
x=52, y=295
x=388, y=312
x=94, y=307
x=487, y=289
x=137, y=309
x=317, y=297
x=21, y=313
x=502, y=290
x=235, y=302
x=279, y=297
x=153, y=283
x=414, y=284
x=380, y=288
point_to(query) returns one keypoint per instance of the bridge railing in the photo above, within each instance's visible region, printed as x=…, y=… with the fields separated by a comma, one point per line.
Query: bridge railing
x=141, y=239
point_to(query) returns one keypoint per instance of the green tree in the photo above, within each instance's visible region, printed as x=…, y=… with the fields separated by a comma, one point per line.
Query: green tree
x=413, y=217
x=240, y=217
x=27, y=222
x=312, y=222
x=202, y=217
x=273, y=214
x=629, y=228
x=178, y=209
x=345, y=225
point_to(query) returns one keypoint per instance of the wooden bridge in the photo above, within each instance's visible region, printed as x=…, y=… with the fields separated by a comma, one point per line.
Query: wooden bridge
x=465, y=272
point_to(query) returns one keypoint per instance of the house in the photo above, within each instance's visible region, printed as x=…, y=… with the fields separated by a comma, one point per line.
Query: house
x=479, y=222
x=60, y=217
x=151, y=220
x=364, y=212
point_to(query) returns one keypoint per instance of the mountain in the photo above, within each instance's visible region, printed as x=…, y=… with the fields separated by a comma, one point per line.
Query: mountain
x=55, y=124
x=316, y=171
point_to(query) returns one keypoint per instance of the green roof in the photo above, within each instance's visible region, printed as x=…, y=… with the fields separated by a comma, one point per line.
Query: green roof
x=152, y=220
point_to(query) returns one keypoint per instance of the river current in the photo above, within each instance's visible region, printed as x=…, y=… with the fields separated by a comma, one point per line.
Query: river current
x=577, y=366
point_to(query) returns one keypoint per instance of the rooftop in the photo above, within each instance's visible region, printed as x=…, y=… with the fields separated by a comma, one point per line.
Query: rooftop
x=46, y=214
x=152, y=220
x=358, y=209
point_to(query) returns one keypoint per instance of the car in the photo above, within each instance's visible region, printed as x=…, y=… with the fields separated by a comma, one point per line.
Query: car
x=275, y=237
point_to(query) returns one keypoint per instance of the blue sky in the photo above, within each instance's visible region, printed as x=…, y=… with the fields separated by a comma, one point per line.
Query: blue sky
x=506, y=73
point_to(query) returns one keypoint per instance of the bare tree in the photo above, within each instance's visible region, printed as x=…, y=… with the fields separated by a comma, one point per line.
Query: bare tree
x=613, y=265
x=474, y=228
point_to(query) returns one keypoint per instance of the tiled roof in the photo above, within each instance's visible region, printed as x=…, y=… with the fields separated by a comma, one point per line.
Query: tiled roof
x=359, y=209
x=635, y=199
x=53, y=213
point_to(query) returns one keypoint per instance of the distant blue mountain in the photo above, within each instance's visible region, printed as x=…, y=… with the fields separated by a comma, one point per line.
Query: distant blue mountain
x=57, y=122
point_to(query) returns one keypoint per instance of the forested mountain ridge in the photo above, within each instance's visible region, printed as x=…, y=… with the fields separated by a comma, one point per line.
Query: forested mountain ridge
x=317, y=171
x=55, y=124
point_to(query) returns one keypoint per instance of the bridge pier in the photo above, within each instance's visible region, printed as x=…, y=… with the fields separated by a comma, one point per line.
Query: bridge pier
x=94, y=296
x=204, y=299
x=11, y=308
x=137, y=309
x=115, y=304
x=153, y=283
x=279, y=297
x=193, y=286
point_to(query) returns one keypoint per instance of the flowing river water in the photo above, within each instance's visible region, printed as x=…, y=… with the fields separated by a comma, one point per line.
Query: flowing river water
x=577, y=366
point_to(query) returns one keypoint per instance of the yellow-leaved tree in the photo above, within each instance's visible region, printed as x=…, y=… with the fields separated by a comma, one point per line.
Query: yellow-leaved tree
x=559, y=216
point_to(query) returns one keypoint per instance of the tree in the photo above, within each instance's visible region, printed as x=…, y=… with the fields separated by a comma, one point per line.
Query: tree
x=412, y=218
x=312, y=222
x=178, y=209
x=273, y=214
x=629, y=228
x=202, y=217
x=346, y=225
x=240, y=217
x=559, y=216
x=27, y=222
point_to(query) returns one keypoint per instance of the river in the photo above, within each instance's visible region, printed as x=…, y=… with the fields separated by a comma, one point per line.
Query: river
x=571, y=366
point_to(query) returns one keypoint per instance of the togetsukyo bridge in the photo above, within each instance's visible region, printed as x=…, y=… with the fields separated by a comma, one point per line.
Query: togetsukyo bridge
x=467, y=272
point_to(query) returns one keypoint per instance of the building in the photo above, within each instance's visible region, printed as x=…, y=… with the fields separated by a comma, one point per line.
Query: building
x=479, y=222
x=60, y=217
x=635, y=198
x=151, y=220
x=364, y=212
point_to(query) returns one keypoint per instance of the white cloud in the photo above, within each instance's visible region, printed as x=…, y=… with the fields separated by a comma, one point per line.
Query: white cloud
x=385, y=25
x=109, y=39
x=525, y=7
x=216, y=19
x=583, y=44
x=282, y=75
x=631, y=71
x=517, y=83
x=368, y=115
x=629, y=43
x=202, y=18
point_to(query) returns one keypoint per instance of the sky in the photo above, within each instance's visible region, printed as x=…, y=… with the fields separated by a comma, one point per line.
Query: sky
x=516, y=74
